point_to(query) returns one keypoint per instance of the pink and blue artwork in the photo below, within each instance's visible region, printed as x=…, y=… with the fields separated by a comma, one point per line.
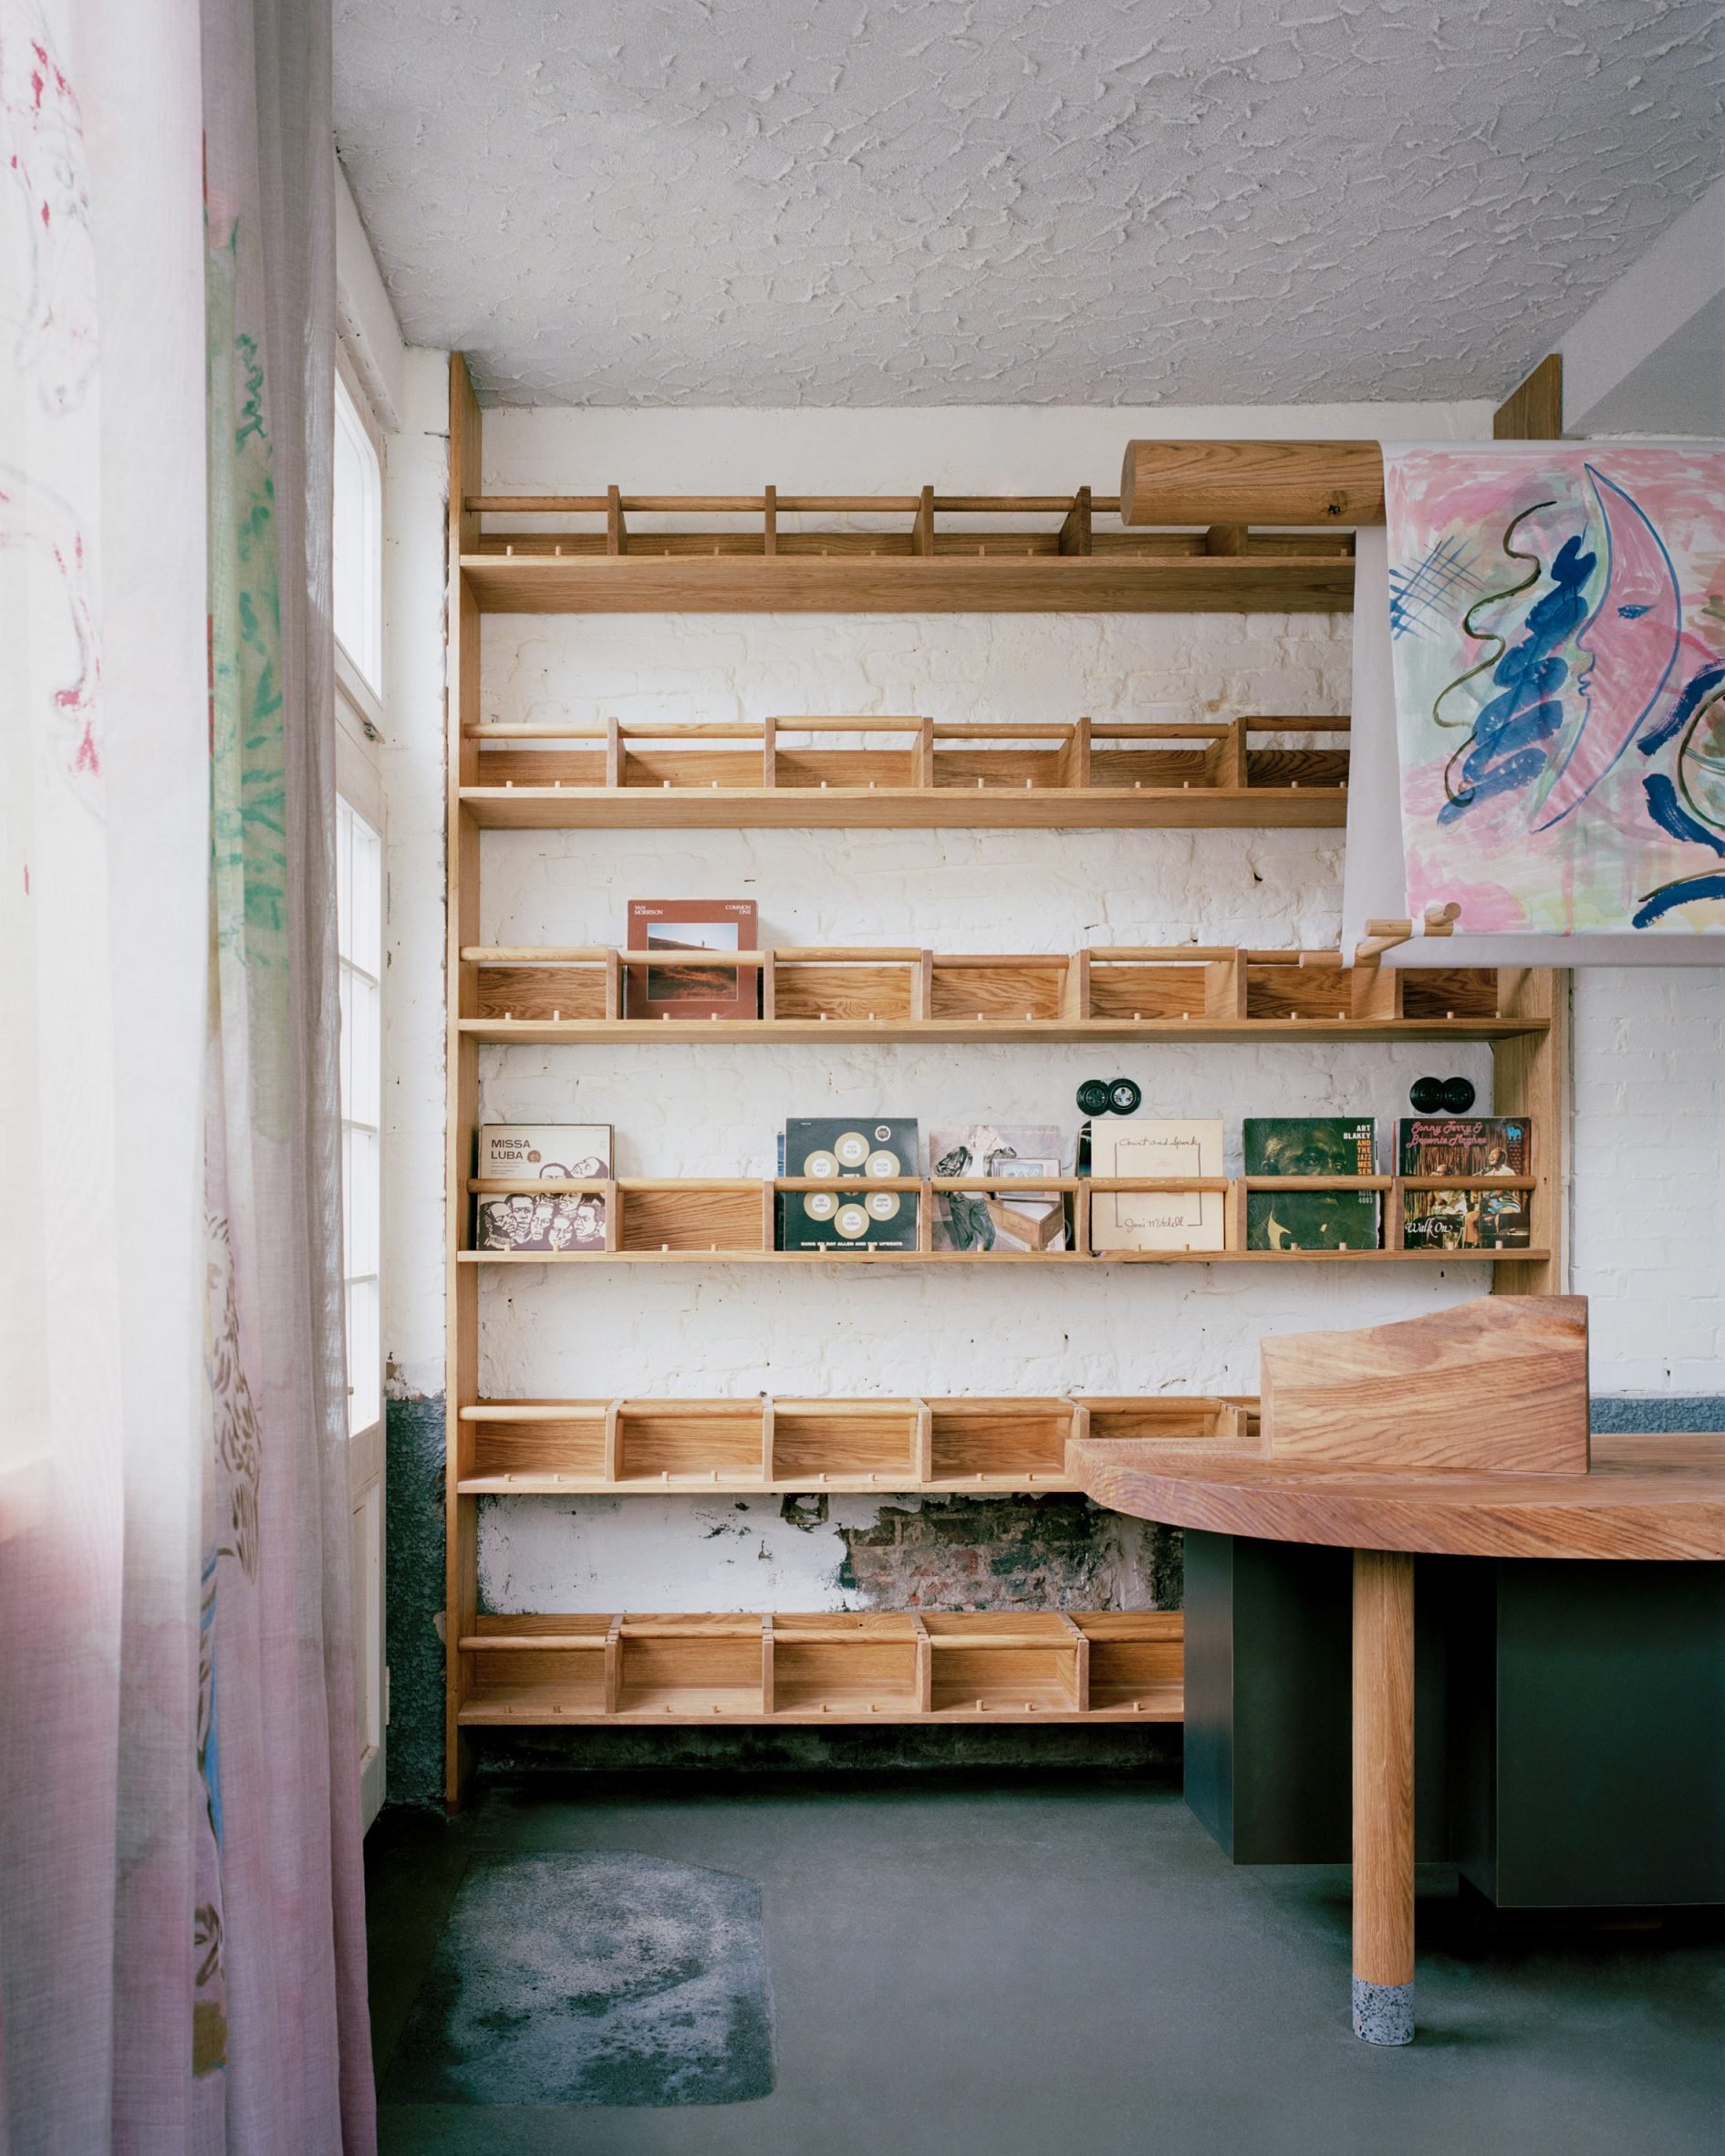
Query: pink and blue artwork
x=1557, y=636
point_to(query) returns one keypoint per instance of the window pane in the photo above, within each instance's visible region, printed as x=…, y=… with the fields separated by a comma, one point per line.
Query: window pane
x=364, y=1405
x=357, y=541
x=362, y=1156
x=367, y=873
x=344, y=877
x=347, y=984
x=359, y=937
x=360, y=1013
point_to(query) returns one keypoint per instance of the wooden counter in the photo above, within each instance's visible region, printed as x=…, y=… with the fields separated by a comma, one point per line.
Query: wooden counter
x=1390, y=1395
x=1646, y=1496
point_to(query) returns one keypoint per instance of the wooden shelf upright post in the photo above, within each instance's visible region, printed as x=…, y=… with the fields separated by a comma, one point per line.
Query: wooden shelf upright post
x=462, y=1065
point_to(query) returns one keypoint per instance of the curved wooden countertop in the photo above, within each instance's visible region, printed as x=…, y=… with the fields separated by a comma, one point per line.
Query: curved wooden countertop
x=1660, y=1495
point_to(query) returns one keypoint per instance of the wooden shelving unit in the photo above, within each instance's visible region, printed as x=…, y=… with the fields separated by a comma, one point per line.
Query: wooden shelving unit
x=853, y=993
x=767, y=1446
x=918, y=773
x=696, y=1220
x=834, y=1666
x=1080, y=557
x=1067, y=553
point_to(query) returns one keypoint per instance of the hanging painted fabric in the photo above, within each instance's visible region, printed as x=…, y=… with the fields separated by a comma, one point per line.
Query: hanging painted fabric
x=1557, y=630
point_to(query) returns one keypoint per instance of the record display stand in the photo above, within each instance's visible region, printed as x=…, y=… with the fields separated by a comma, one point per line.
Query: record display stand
x=1079, y=552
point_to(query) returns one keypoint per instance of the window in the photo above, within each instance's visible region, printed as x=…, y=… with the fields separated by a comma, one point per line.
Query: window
x=357, y=569
x=360, y=885
x=356, y=566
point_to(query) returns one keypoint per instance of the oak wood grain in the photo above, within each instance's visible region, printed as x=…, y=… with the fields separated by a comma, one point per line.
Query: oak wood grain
x=1336, y=483
x=1499, y=1384
x=1659, y=1495
x=1383, y=1766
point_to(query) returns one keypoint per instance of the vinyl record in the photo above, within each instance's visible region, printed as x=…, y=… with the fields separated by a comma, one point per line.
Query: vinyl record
x=852, y=1222
x=852, y=1149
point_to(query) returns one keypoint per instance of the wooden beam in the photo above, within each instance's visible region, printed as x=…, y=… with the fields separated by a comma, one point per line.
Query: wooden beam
x=1533, y=410
x=1253, y=482
x=923, y=538
x=460, y=1382
x=616, y=529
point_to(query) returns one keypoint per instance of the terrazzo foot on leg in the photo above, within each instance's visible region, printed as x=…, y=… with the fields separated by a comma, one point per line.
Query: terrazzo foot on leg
x=1383, y=2012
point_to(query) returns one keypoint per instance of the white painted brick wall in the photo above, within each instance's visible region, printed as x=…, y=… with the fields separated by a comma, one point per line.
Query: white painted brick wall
x=1648, y=1046
x=1650, y=1151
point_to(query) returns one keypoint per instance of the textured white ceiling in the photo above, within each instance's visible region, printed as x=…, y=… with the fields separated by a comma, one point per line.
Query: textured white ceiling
x=965, y=201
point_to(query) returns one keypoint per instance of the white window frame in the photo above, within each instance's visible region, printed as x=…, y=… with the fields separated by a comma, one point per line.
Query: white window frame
x=360, y=670
x=360, y=729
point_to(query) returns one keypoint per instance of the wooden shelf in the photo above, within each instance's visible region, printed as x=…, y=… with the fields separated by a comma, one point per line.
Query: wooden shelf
x=1067, y=553
x=695, y=1220
x=1098, y=808
x=863, y=1666
x=852, y=993
x=654, y=1447
x=715, y=1256
x=922, y=774
x=1074, y=567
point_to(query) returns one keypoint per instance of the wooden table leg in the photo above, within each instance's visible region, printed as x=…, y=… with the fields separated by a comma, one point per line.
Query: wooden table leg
x=1383, y=1796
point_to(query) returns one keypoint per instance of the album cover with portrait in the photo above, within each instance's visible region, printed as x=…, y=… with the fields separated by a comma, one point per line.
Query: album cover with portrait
x=1305, y=1145
x=545, y=1222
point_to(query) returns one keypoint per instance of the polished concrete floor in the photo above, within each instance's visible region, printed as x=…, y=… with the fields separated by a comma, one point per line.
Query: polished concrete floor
x=1069, y=1968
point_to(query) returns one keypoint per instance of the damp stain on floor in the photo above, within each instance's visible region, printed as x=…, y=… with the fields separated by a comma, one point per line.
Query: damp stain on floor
x=592, y=1977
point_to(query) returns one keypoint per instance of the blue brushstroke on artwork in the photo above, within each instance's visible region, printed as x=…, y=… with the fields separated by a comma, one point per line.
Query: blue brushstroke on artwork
x=1699, y=687
x=1416, y=591
x=1506, y=753
x=1669, y=813
x=1592, y=716
x=1710, y=885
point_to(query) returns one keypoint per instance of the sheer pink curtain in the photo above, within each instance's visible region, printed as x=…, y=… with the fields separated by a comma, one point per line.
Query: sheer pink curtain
x=181, y=1957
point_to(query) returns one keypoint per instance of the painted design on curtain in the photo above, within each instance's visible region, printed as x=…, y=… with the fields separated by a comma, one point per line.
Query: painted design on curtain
x=248, y=1010
x=1557, y=624
x=43, y=137
x=231, y=1502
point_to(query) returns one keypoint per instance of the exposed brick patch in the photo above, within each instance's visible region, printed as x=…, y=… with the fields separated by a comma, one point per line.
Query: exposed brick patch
x=1000, y=1553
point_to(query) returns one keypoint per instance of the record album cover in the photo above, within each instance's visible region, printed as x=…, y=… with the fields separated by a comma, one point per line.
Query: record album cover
x=544, y=1220
x=1311, y=1219
x=1157, y=1219
x=1008, y=1219
x=1466, y=1219
x=852, y=1151
x=691, y=989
